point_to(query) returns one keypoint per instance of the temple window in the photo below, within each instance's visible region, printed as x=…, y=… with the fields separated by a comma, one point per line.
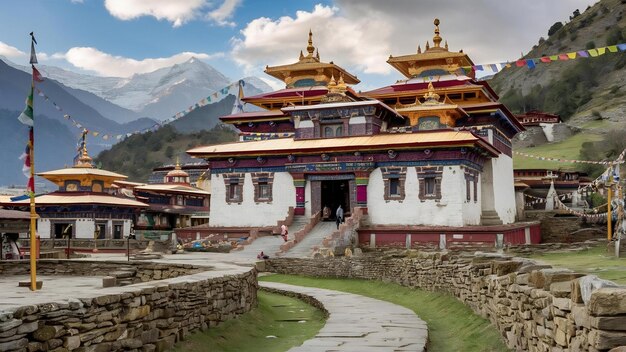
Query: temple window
x=234, y=187
x=394, y=180
x=179, y=200
x=263, y=182
x=430, y=186
x=333, y=131
x=469, y=96
x=429, y=179
x=471, y=176
x=468, y=195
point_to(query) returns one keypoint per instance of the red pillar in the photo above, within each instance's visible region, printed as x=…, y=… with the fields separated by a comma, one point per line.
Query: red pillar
x=300, y=182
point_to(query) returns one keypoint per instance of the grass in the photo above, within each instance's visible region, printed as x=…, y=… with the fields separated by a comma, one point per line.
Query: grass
x=451, y=325
x=597, y=261
x=289, y=320
x=567, y=149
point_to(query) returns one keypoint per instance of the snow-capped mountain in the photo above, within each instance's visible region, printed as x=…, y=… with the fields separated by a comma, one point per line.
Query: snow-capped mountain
x=158, y=94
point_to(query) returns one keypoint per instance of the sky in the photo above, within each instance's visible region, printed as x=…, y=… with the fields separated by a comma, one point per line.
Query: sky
x=240, y=37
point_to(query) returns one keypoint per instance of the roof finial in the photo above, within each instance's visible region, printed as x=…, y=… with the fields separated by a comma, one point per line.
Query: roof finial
x=431, y=97
x=310, y=48
x=446, y=45
x=436, y=38
x=301, y=56
x=427, y=45
x=317, y=54
x=419, y=49
x=177, y=167
x=332, y=83
x=84, y=160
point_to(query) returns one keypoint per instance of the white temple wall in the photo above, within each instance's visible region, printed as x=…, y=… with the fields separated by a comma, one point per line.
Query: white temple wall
x=471, y=208
x=85, y=228
x=248, y=213
x=43, y=228
x=412, y=211
x=126, y=228
x=503, y=188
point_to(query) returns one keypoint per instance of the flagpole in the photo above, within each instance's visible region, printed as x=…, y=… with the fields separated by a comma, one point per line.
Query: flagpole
x=33, y=213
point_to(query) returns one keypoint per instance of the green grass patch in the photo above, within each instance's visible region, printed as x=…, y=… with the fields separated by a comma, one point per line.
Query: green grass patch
x=276, y=315
x=451, y=325
x=567, y=149
x=597, y=261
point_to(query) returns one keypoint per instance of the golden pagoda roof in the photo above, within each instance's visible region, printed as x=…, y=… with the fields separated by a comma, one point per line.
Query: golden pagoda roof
x=433, y=59
x=309, y=67
x=286, y=146
x=78, y=171
x=177, y=171
x=62, y=198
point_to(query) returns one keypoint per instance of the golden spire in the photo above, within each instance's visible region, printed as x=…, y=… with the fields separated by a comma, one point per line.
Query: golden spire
x=427, y=45
x=431, y=98
x=310, y=48
x=84, y=160
x=436, y=38
x=341, y=85
x=419, y=49
x=317, y=54
x=301, y=55
x=332, y=84
x=446, y=45
x=177, y=167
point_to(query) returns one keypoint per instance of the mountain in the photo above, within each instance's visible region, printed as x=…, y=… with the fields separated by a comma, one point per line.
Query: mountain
x=159, y=94
x=104, y=107
x=588, y=93
x=137, y=155
x=55, y=146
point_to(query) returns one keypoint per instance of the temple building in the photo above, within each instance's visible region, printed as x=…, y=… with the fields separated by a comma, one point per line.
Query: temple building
x=83, y=206
x=173, y=203
x=424, y=157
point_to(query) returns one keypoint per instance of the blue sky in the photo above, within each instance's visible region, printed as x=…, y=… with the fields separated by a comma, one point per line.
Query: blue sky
x=240, y=37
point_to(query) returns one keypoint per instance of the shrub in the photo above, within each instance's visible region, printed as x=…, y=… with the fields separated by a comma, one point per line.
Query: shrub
x=590, y=45
x=555, y=28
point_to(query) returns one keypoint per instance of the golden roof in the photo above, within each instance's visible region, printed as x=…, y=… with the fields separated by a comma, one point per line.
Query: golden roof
x=433, y=59
x=311, y=68
x=177, y=171
x=286, y=146
x=71, y=198
x=83, y=174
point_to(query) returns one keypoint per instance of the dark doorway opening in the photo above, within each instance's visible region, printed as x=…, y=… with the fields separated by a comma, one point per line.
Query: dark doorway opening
x=335, y=193
x=63, y=230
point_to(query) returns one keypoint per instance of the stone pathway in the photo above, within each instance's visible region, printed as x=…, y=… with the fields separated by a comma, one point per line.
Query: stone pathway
x=314, y=238
x=358, y=323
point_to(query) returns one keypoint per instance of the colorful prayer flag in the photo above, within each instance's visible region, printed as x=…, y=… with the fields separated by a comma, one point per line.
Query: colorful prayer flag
x=621, y=47
x=26, y=117
x=583, y=53
x=546, y=59
x=571, y=55
x=530, y=63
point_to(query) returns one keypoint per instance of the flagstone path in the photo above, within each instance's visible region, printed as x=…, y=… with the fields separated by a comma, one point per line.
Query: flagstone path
x=358, y=323
x=314, y=238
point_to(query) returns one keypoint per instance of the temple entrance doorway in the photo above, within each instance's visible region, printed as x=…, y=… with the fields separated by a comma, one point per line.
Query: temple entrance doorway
x=335, y=193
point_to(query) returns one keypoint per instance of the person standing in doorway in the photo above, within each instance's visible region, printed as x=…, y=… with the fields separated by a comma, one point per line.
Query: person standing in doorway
x=339, y=215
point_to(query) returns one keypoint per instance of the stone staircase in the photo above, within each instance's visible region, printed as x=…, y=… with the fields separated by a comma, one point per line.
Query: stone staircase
x=313, y=239
x=490, y=218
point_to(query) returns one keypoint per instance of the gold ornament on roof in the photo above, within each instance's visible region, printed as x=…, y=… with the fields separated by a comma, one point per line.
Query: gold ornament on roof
x=431, y=98
x=436, y=38
x=310, y=48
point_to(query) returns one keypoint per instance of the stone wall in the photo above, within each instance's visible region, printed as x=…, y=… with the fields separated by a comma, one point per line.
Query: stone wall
x=145, y=317
x=535, y=307
x=128, y=272
x=564, y=229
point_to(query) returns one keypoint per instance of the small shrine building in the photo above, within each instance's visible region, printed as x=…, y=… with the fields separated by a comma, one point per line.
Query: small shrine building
x=83, y=206
x=427, y=156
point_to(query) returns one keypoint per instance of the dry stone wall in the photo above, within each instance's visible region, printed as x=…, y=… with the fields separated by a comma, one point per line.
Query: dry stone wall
x=150, y=316
x=126, y=272
x=535, y=307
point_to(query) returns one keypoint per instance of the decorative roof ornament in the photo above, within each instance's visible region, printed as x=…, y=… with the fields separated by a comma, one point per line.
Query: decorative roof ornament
x=419, y=50
x=427, y=46
x=310, y=48
x=332, y=84
x=436, y=39
x=301, y=55
x=431, y=98
x=341, y=85
x=84, y=160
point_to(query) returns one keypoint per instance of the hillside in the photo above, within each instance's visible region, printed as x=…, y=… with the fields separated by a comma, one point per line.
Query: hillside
x=588, y=93
x=137, y=155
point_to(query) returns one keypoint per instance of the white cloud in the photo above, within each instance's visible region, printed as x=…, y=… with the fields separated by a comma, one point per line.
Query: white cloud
x=354, y=43
x=77, y=1
x=222, y=14
x=176, y=11
x=10, y=51
x=92, y=59
x=359, y=35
